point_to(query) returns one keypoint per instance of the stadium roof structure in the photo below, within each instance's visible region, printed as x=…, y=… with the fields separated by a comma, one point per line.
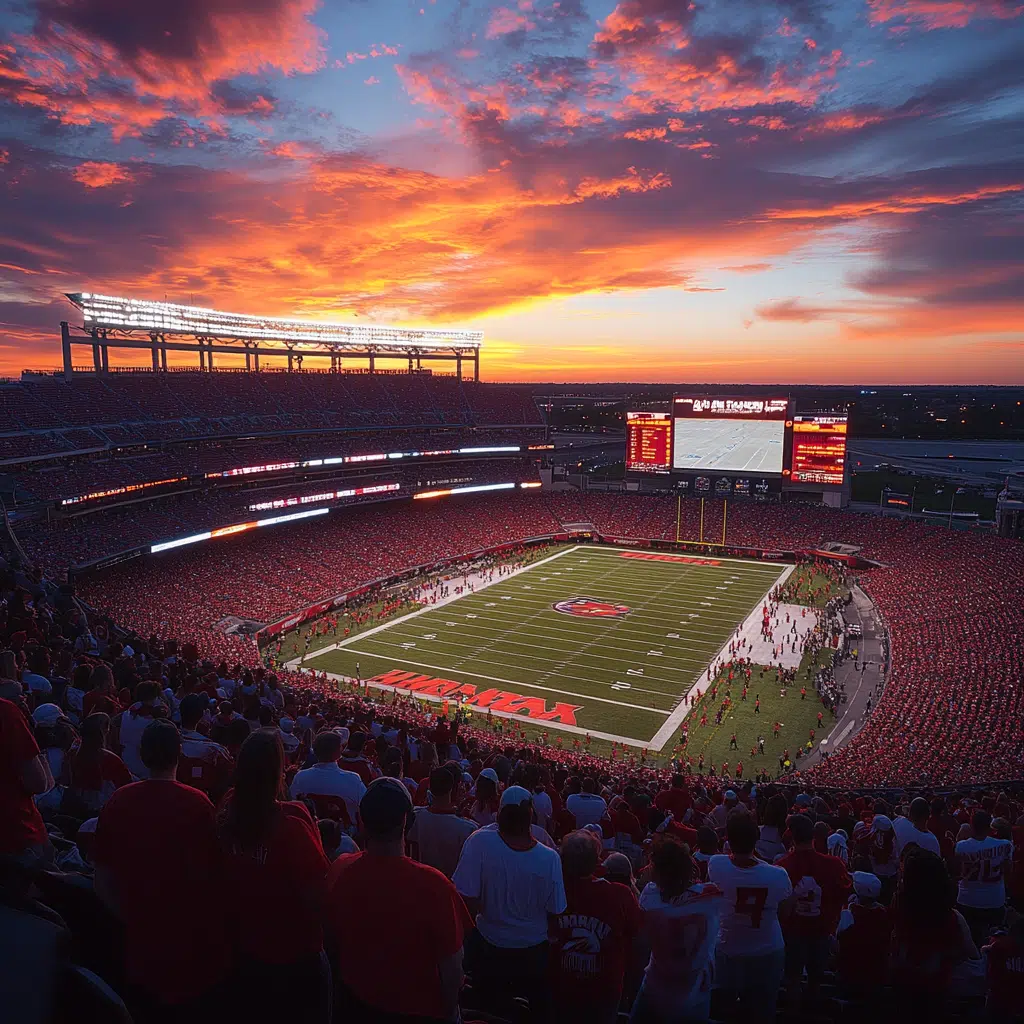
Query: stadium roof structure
x=117, y=322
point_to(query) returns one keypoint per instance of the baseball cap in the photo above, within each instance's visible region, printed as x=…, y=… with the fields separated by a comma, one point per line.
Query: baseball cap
x=866, y=885
x=286, y=724
x=516, y=795
x=881, y=823
x=47, y=714
x=385, y=804
x=489, y=773
x=595, y=828
x=730, y=794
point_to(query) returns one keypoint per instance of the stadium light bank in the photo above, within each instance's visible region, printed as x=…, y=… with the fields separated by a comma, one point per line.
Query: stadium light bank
x=116, y=322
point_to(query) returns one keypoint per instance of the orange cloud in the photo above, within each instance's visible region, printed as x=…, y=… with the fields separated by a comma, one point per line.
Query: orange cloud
x=98, y=174
x=660, y=66
x=899, y=204
x=846, y=121
x=83, y=67
x=504, y=20
x=934, y=14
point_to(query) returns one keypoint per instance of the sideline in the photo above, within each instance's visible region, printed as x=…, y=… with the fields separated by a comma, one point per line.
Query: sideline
x=678, y=716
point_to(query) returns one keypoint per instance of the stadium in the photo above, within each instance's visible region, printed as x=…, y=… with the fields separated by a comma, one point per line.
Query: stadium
x=346, y=531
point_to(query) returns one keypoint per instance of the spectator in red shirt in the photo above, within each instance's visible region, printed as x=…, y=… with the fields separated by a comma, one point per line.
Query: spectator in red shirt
x=591, y=940
x=95, y=773
x=1005, y=959
x=272, y=846
x=159, y=869
x=821, y=884
x=372, y=893
x=24, y=773
x=863, y=933
x=354, y=760
x=677, y=800
x=102, y=695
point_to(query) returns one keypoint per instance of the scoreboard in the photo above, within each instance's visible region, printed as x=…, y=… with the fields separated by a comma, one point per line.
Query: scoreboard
x=648, y=442
x=819, y=448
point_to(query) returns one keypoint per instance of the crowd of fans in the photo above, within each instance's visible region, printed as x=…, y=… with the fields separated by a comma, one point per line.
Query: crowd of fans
x=44, y=414
x=953, y=604
x=216, y=842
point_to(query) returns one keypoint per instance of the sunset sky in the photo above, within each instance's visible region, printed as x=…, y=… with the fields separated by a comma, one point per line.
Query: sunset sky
x=747, y=190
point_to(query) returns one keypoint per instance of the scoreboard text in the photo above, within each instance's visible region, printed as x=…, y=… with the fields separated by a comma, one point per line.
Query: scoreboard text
x=648, y=442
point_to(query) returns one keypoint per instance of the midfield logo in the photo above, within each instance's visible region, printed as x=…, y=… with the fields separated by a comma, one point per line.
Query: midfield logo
x=591, y=608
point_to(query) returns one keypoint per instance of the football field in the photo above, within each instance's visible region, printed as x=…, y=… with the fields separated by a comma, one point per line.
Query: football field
x=592, y=640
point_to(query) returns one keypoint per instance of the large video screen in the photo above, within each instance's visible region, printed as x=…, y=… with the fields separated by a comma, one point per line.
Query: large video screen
x=819, y=448
x=729, y=435
x=648, y=442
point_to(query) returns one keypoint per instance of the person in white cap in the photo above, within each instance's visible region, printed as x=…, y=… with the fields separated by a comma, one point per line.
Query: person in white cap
x=290, y=742
x=882, y=853
x=511, y=883
x=863, y=934
x=720, y=814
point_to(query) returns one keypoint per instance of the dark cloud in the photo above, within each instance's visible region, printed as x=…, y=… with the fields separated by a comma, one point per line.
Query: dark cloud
x=237, y=99
x=964, y=255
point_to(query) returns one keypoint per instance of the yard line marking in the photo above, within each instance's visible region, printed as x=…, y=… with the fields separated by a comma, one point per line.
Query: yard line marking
x=542, y=631
x=484, y=584
x=684, y=662
x=512, y=684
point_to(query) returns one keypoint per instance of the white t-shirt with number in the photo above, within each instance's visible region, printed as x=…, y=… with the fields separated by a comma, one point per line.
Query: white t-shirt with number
x=682, y=935
x=981, y=871
x=750, y=924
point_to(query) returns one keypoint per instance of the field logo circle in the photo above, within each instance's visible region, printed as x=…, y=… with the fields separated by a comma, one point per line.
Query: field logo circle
x=591, y=608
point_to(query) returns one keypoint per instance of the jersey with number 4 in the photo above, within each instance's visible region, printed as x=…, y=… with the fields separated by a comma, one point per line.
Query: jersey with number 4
x=750, y=924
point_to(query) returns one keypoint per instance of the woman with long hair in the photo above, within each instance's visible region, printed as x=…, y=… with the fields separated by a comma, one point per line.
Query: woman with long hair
x=677, y=982
x=931, y=943
x=94, y=771
x=101, y=695
x=272, y=847
x=484, y=809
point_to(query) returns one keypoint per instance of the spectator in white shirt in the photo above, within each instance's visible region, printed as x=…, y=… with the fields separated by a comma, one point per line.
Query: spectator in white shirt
x=751, y=954
x=720, y=814
x=35, y=679
x=587, y=806
x=912, y=830
x=290, y=742
x=983, y=864
x=146, y=708
x=511, y=884
x=327, y=778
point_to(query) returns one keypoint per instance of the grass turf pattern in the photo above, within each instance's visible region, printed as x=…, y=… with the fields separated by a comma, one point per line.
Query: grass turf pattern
x=625, y=673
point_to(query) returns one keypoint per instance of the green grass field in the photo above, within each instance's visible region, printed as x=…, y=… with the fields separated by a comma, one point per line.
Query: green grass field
x=509, y=648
